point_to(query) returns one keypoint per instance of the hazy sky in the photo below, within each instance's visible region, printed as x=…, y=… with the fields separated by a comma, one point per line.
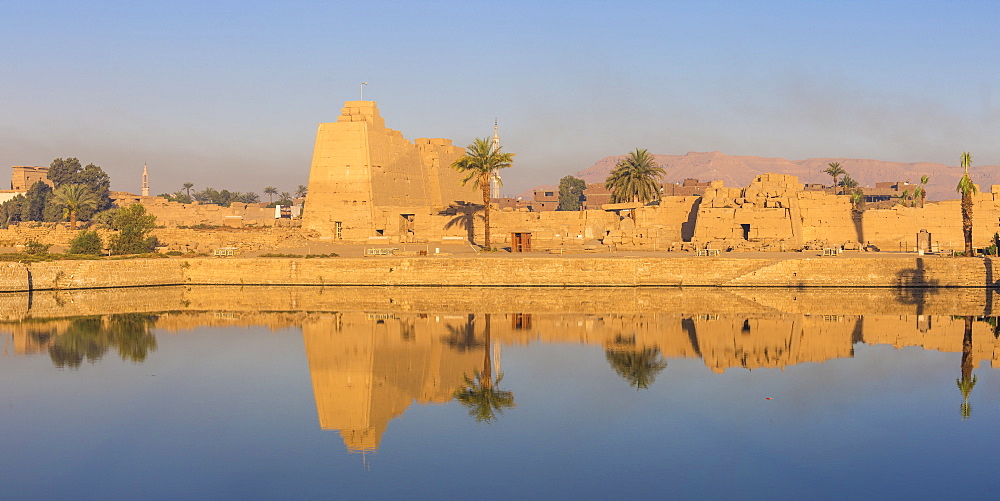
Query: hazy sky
x=228, y=94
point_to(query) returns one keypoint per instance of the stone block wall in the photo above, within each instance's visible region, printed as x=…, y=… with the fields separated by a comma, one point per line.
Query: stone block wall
x=360, y=166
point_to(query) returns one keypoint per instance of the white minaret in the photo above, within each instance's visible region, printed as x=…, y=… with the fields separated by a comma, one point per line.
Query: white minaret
x=495, y=178
x=145, y=181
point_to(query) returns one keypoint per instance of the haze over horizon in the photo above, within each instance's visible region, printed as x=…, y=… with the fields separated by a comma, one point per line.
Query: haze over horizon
x=229, y=94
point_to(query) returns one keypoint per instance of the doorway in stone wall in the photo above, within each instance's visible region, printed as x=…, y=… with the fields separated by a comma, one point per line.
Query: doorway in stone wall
x=746, y=231
x=406, y=228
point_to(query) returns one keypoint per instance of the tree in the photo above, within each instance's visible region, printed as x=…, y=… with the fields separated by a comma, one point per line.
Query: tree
x=74, y=198
x=87, y=242
x=834, y=169
x=571, y=192
x=301, y=191
x=848, y=182
x=249, y=198
x=968, y=381
x=270, y=191
x=69, y=171
x=922, y=190
x=187, y=188
x=967, y=188
x=480, y=164
x=480, y=394
x=36, y=199
x=635, y=178
x=10, y=211
x=133, y=225
x=64, y=171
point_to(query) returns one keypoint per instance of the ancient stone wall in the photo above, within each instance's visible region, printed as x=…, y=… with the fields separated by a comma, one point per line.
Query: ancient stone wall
x=511, y=272
x=368, y=178
x=174, y=214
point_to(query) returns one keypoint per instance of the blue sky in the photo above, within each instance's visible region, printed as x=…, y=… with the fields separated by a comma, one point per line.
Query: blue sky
x=228, y=94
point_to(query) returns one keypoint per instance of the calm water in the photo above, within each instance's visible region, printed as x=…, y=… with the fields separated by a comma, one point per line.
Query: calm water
x=672, y=394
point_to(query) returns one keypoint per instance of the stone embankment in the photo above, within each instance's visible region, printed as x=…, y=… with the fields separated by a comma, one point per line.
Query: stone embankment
x=505, y=272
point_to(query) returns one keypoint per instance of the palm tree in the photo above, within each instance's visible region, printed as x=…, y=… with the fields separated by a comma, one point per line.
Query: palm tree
x=903, y=197
x=74, y=198
x=483, y=399
x=635, y=178
x=967, y=188
x=836, y=171
x=481, y=162
x=922, y=190
x=301, y=191
x=187, y=188
x=848, y=182
x=270, y=191
x=968, y=381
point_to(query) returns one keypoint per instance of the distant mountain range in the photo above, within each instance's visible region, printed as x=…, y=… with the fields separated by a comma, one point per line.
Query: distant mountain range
x=738, y=171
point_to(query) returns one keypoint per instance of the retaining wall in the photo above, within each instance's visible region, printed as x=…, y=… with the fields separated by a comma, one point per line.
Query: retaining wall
x=506, y=271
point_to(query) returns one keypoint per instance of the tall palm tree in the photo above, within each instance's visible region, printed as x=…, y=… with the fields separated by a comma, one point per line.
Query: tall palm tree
x=74, y=198
x=968, y=381
x=967, y=188
x=187, y=188
x=301, y=191
x=922, y=190
x=270, y=191
x=849, y=183
x=635, y=178
x=483, y=399
x=834, y=169
x=481, y=162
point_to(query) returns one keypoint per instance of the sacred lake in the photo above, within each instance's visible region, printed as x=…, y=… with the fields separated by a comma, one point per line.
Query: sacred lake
x=498, y=393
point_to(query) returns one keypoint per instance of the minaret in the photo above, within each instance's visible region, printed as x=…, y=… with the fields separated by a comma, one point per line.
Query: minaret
x=495, y=177
x=145, y=181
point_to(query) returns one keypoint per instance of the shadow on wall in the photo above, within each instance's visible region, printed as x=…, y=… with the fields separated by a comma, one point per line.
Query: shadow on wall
x=913, y=286
x=687, y=227
x=463, y=216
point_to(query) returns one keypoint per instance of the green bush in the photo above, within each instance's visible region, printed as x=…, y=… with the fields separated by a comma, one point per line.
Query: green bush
x=87, y=242
x=133, y=225
x=33, y=247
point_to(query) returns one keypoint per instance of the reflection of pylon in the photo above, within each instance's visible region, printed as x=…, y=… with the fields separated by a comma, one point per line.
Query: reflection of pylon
x=364, y=461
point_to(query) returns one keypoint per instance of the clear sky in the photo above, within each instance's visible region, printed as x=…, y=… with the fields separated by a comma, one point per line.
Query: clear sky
x=228, y=94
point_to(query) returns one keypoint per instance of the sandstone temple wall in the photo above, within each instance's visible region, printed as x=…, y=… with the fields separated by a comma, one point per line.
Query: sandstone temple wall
x=366, y=178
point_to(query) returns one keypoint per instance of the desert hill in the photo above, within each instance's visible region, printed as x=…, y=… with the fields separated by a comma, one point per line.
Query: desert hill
x=740, y=170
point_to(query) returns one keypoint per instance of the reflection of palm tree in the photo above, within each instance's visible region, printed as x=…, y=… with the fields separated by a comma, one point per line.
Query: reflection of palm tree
x=968, y=381
x=484, y=400
x=462, y=338
x=637, y=366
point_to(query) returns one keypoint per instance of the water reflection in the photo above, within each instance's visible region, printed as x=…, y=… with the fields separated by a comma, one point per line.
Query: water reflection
x=70, y=342
x=372, y=353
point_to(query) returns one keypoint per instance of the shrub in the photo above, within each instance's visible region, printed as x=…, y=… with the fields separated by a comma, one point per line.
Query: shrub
x=134, y=226
x=87, y=242
x=35, y=248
